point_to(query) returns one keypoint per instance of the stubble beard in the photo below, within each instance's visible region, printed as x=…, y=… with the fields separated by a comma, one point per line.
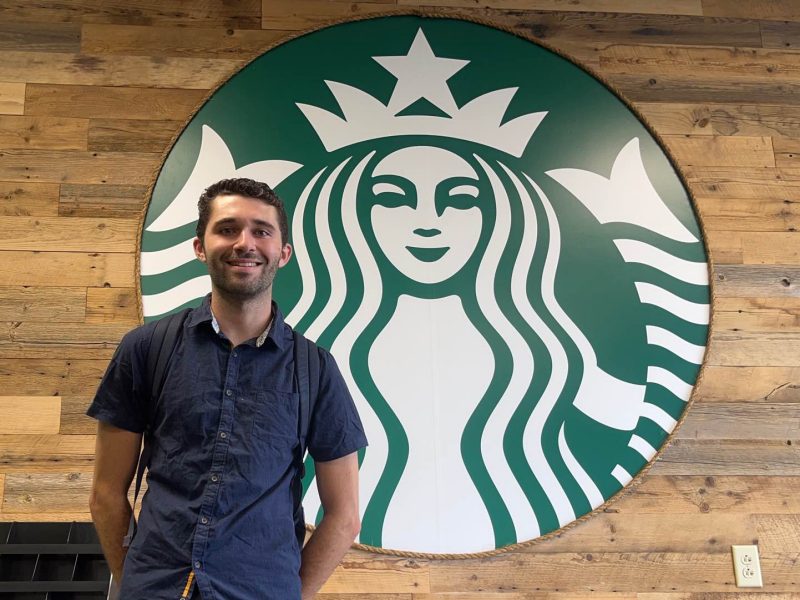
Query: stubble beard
x=228, y=284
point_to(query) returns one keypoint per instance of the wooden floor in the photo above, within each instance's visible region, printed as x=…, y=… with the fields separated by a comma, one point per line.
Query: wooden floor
x=91, y=93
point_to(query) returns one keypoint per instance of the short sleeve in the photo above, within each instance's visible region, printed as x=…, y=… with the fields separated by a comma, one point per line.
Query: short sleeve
x=121, y=399
x=335, y=429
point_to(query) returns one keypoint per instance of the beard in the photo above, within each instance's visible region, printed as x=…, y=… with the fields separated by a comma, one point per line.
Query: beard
x=236, y=285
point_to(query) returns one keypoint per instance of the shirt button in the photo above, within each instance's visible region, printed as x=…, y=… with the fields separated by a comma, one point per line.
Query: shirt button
x=223, y=435
x=197, y=564
x=215, y=478
x=204, y=520
x=235, y=354
x=228, y=393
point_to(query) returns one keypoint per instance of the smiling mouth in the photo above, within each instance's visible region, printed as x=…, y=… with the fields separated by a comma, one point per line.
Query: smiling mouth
x=428, y=254
x=245, y=263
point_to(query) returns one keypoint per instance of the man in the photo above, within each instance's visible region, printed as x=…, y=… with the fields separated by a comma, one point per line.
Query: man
x=217, y=521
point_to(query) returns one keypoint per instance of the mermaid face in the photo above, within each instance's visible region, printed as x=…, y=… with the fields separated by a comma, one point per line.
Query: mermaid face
x=425, y=215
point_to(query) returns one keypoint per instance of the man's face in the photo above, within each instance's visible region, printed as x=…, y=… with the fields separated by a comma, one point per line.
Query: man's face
x=242, y=247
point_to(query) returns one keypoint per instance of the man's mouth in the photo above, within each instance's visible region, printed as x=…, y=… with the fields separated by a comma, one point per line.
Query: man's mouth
x=243, y=262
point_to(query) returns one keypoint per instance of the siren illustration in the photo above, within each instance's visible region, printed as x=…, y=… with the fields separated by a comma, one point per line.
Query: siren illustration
x=432, y=260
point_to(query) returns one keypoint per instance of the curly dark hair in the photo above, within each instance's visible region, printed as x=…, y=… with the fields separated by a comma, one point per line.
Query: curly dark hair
x=248, y=188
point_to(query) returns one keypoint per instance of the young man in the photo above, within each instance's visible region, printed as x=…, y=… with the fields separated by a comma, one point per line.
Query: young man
x=217, y=520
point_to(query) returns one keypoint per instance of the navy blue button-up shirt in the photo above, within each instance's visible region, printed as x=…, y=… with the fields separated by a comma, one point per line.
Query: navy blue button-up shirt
x=225, y=436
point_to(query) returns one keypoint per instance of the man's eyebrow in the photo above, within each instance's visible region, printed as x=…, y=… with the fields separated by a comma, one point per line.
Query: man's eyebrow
x=259, y=222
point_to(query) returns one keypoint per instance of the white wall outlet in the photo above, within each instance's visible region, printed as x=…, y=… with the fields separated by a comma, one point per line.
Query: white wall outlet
x=746, y=566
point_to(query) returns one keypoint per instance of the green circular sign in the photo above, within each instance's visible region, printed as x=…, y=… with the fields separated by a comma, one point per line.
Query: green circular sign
x=496, y=250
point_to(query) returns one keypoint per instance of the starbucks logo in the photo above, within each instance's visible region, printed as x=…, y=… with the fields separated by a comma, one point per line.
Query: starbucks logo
x=500, y=256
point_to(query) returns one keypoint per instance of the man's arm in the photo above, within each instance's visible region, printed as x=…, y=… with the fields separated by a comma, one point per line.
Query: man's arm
x=116, y=457
x=337, y=482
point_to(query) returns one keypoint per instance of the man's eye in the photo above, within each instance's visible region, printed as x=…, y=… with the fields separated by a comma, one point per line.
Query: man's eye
x=263, y=233
x=226, y=230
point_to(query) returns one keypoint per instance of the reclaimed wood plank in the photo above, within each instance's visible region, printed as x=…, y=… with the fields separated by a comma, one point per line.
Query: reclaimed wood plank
x=79, y=234
x=29, y=414
x=756, y=280
x=132, y=40
x=40, y=37
x=112, y=305
x=59, y=269
x=676, y=7
x=113, y=201
x=607, y=571
x=26, y=303
x=28, y=199
x=749, y=214
x=43, y=133
x=67, y=378
x=756, y=314
x=709, y=533
x=12, y=98
x=293, y=15
x=103, y=102
x=53, y=493
x=205, y=13
x=97, y=335
x=780, y=10
x=52, y=68
x=30, y=351
x=17, y=450
x=600, y=30
x=750, y=384
x=761, y=183
x=675, y=118
x=361, y=575
x=721, y=151
x=744, y=349
x=787, y=152
x=729, y=457
x=699, y=494
x=780, y=34
x=74, y=420
x=121, y=168
x=742, y=421
x=129, y=135
x=690, y=87
x=702, y=63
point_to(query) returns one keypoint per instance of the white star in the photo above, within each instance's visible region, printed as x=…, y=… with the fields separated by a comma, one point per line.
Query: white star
x=421, y=74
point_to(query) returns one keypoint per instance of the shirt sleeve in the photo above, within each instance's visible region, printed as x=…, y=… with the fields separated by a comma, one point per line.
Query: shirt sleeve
x=335, y=429
x=121, y=399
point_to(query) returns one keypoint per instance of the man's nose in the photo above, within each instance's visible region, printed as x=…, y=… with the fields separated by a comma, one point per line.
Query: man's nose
x=245, y=241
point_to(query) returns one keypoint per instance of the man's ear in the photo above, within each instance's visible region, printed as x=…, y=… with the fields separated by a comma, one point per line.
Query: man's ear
x=199, y=251
x=286, y=254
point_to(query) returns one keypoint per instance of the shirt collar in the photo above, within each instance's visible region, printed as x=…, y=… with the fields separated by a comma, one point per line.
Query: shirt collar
x=276, y=330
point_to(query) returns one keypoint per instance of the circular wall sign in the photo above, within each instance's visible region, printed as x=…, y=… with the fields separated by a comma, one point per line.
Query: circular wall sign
x=498, y=253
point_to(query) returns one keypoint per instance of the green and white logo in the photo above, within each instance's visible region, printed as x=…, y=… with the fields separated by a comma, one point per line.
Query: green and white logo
x=500, y=256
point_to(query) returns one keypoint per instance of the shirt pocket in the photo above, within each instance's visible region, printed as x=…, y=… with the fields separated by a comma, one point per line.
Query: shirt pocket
x=275, y=418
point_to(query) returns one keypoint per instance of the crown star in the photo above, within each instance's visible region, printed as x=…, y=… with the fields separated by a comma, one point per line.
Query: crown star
x=421, y=74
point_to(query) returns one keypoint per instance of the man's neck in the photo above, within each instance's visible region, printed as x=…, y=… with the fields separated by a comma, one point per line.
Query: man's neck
x=241, y=320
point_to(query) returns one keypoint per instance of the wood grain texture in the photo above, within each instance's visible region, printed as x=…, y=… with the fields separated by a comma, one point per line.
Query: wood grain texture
x=47, y=133
x=60, y=304
x=112, y=70
x=93, y=200
x=719, y=151
x=182, y=13
x=749, y=214
x=134, y=40
x=28, y=199
x=750, y=384
x=100, y=102
x=674, y=7
x=57, y=269
x=130, y=135
x=781, y=10
x=290, y=15
x=78, y=167
x=12, y=98
x=112, y=305
x=82, y=235
x=777, y=122
x=40, y=37
x=29, y=414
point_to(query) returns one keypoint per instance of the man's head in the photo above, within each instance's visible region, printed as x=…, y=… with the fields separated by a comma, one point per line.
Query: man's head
x=240, y=187
x=241, y=237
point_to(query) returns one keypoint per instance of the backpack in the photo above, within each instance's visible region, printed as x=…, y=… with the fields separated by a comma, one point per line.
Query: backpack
x=306, y=371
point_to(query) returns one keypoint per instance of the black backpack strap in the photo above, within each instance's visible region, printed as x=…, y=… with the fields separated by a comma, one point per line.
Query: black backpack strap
x=159, y=351
x=307, y=372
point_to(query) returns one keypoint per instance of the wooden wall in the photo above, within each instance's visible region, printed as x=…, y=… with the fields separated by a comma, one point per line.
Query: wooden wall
x=91, y=92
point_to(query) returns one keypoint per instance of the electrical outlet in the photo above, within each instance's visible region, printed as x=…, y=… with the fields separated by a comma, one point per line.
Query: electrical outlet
x=746, y=566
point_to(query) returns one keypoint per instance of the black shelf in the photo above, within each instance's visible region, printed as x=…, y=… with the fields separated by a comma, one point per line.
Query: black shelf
x=51, y=561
